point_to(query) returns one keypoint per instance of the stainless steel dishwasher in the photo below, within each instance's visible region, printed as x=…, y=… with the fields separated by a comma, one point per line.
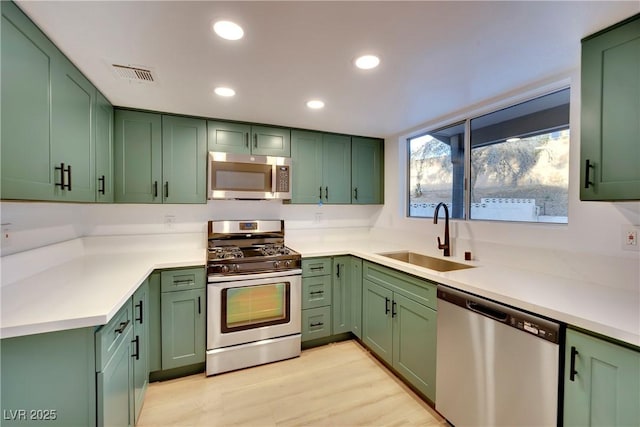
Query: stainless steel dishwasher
x=496, y=366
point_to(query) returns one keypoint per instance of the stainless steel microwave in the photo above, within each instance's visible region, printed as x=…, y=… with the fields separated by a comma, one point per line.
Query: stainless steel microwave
x=245, y=176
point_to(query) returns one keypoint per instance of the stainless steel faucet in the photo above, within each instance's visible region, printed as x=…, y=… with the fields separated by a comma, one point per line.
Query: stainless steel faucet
x=447, y=244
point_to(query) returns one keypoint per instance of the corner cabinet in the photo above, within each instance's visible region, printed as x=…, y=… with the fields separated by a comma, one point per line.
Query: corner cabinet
x=399, y=324
x=321, y=165
x=229, y=137
x=48, y=145
x=601, y=382
x=159, y=158
x=367, y=171
x=610, y=118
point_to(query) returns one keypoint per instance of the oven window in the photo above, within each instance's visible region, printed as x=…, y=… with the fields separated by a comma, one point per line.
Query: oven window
x=251, y=307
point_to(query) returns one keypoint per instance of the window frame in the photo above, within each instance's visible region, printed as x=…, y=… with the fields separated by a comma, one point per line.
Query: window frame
x=466, y=118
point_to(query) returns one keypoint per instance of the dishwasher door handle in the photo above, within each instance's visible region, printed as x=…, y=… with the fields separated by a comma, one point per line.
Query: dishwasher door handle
x=487, y=311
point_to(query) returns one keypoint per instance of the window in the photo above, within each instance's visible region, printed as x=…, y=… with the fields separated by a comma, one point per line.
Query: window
x=519, y=164
x=436, y=172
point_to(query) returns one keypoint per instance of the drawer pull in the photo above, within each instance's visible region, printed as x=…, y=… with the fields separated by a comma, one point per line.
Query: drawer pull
x=123, y=326
x=136, y=354
x=320, y=268
x=386, y=305
x=183, y=282
x=393, y=309
x=316, y=324
x=316, y=293
x=572, y=368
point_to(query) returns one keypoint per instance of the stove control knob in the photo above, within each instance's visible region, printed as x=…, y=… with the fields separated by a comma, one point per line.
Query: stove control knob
x=276, y=264
x=287, y=263
x=234, y=267
x=224, y=269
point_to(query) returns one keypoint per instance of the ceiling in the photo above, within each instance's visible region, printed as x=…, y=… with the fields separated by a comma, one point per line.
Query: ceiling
x=437, y=58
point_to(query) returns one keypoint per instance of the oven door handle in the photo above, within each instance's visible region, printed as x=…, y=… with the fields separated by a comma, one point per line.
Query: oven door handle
x=212, y=279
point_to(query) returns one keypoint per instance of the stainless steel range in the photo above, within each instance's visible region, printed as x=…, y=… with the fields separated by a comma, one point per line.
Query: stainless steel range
x=253, y=295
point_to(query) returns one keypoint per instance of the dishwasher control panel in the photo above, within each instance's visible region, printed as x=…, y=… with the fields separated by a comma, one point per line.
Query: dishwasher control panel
x=535, y=328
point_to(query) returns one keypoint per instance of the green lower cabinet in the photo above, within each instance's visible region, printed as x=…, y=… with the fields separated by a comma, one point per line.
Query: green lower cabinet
x=49, y=379
x=398, y=326
x=155, y=323
x=376, y=319
x=183, y=328
x=115, y=386
x=604, y=389
x=414, y=352
x=140, y=353
x=316, y=323
x=356, y=296
x=341, y=294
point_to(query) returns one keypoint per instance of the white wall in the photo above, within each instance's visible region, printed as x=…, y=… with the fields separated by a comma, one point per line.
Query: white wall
x=35, y=224
x=590, y=245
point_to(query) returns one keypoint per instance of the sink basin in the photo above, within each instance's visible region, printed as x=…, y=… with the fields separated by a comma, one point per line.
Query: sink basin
x=426, y=261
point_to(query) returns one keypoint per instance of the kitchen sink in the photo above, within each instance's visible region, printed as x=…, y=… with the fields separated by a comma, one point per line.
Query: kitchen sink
x=426, y=261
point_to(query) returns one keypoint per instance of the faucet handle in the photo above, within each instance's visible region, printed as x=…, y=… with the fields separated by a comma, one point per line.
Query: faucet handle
x=440, y=245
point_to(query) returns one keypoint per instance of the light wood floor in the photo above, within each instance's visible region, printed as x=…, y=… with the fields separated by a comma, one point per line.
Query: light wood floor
x=335, y=385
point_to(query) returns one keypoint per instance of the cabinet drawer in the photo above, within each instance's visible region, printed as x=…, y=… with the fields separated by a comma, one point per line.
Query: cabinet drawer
x=109, y=336
x=316, y=291
x=316, y=323
x=419, y=290
x=316, y=267
x=182, y=279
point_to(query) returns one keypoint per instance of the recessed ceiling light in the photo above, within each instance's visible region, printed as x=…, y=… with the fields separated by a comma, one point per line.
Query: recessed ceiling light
x=228, y=30
x=367, y=62
x=315, y=104
x=224, y=91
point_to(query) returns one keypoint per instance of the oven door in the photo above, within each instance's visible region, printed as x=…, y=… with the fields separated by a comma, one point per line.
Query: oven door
x=248, y=308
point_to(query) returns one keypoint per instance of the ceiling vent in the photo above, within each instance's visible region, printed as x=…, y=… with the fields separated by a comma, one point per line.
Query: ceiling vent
x=134, y=74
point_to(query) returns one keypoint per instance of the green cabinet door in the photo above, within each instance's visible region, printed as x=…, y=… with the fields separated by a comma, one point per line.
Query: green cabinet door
x=367, y=171
x=183, y=328
x=27, y=64
x=138, y=157
x=341, y=305
x=270, y=141
x=377, y=323
x=336, y=169
x=414, y=338
x=184, y=160
x=73, y=138
x=610, y=114
x=605, y=387
x=306, y=165
x=356, y=296
x=115, y=387
x=140, y=354
x=104, y=149
x=229, y=137
x=155, y=323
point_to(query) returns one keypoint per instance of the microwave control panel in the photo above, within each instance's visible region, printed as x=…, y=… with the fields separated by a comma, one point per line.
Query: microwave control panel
x=282, y=179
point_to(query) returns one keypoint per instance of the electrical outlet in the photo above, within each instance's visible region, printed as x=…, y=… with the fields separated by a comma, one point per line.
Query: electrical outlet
x=630, y=238
x=6, y=235
x=169, y=221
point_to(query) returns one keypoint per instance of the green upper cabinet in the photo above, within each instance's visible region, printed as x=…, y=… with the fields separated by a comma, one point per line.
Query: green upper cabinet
x=138, y=157
x=184, y=160
x=610, y=119
x=601, y=382
x=48, y=145
x=104, y=149
x=232, y=137
x=367, y=171
x=321, y=165
x=159, y=158
x=72, y=106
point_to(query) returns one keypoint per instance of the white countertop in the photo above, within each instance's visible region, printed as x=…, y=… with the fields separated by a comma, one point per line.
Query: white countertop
x=89, y=288
x=86, y=290
x=608, y=311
